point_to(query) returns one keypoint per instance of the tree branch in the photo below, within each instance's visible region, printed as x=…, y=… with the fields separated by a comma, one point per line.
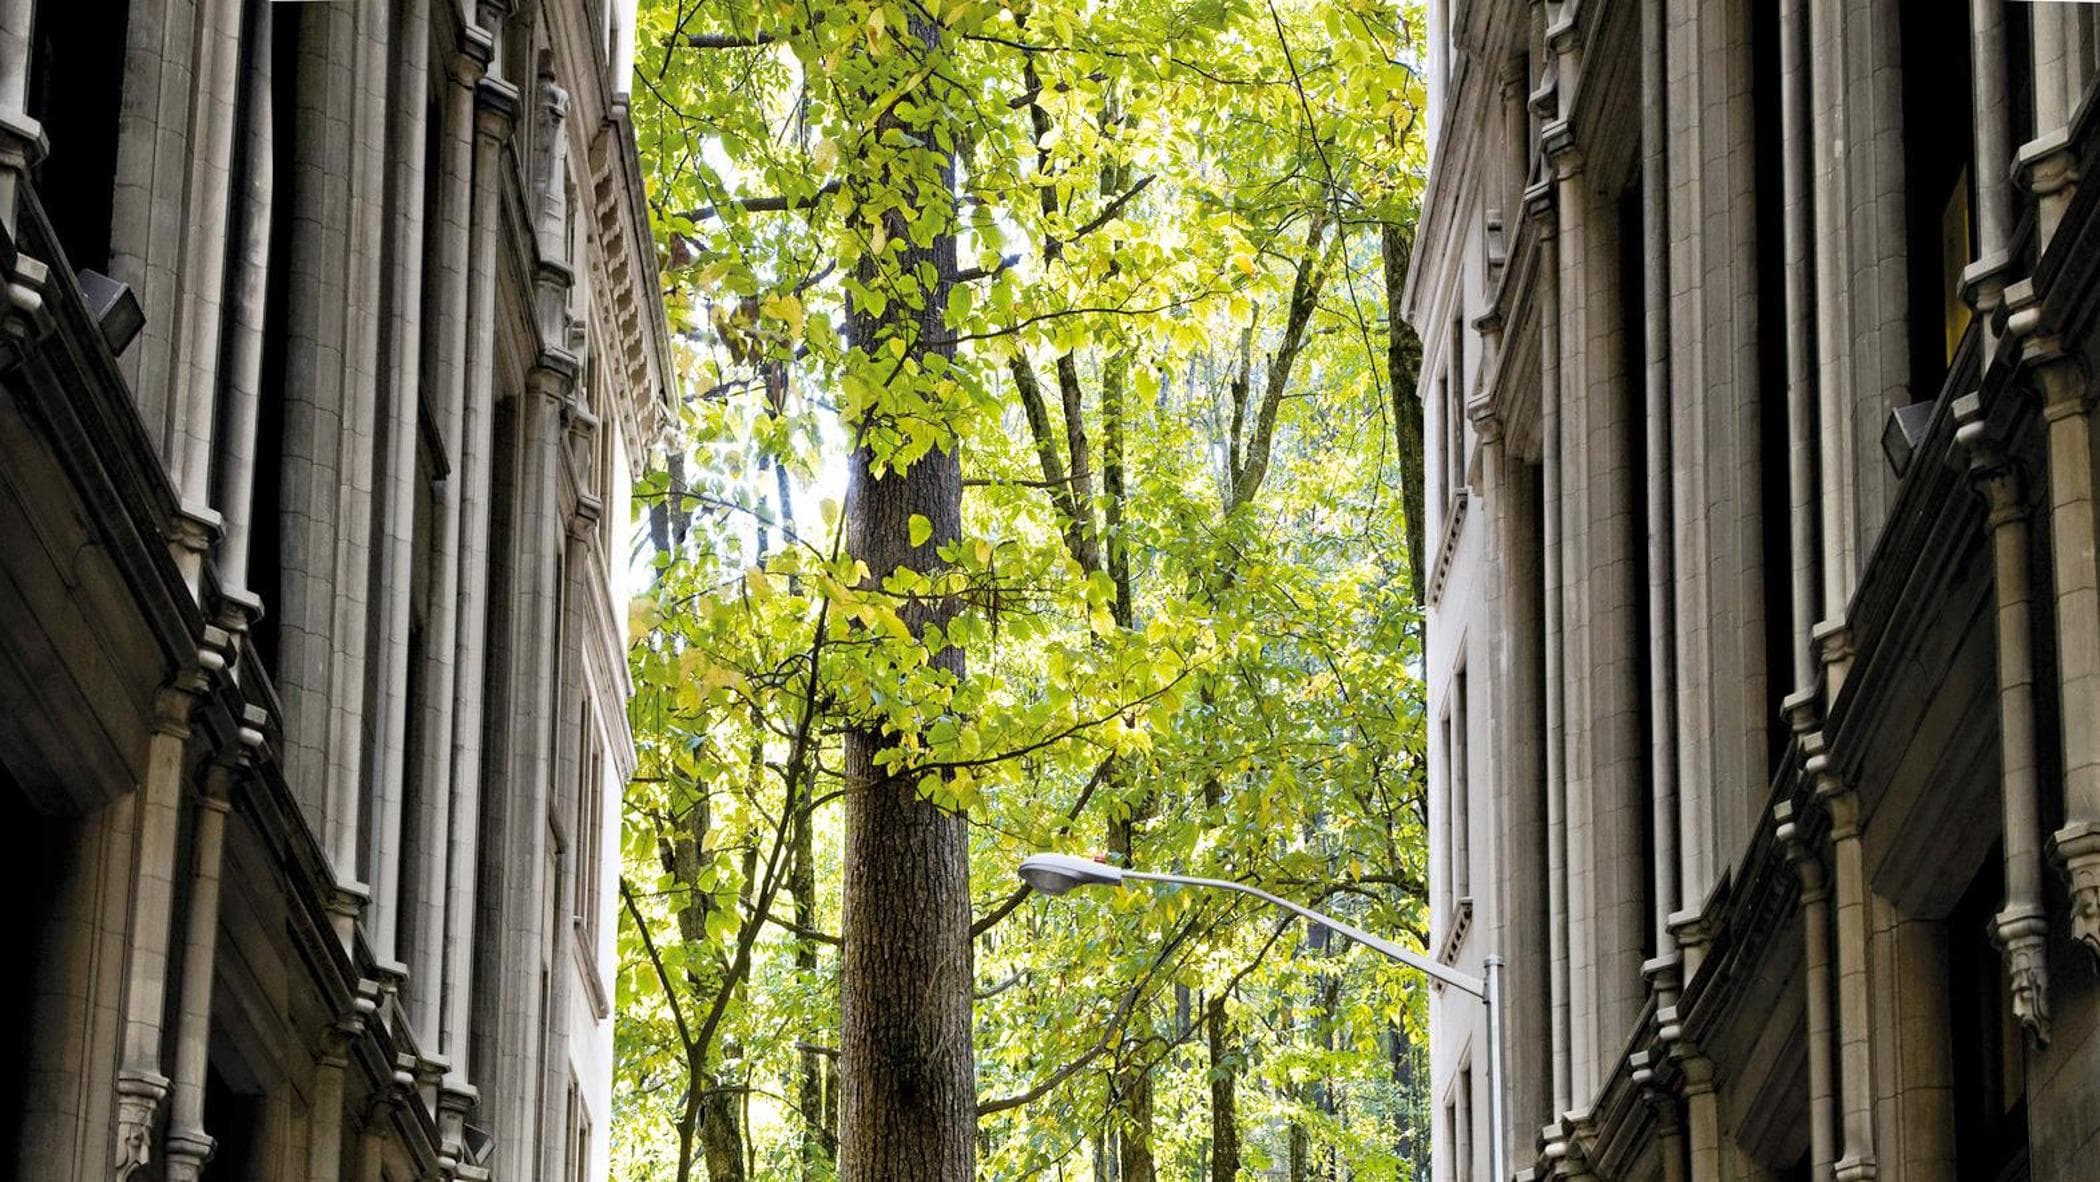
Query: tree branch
x=767, y=204
x=656, y=961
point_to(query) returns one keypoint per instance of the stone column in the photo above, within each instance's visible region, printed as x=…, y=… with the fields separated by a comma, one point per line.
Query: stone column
x=397, y=489
x=1837, y=489
x=1815, y=934
x=1702, y=1118
x=2022, y=924
x=1575, y=253
x=495, y=111
x=246, y=300
x=2049, y=29
x=1854, y=1009
x=353, y=535
x=444, y=376
x=1539, y=201
x=141, y=1083
x=1661, y=621
x=527, y=945
x=324, y=1135
x=200, y=310
x=310, y=502
x=189, y=1143
x=1661, y=1100
x=1803, y=415
x=1608, y=800
x=2074, y=541
x=147, y=212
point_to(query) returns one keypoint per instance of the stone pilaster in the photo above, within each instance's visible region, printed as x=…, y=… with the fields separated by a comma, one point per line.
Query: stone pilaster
x=397, y=492
x=194, y=418
x=2021, y=928
x=2067, y=402
x=495, y=107
x=190, y=1145
x=451, y=808
x=247, y=295
x=1854, y=1011
x=142, y=1084
x=325, y=1120
x=1815, y=933
x=1541, y=208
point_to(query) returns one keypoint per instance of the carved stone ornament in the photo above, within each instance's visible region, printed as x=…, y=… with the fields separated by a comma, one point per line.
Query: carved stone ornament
x=2078, y=848
x=139, y=1094
x=2024, y=937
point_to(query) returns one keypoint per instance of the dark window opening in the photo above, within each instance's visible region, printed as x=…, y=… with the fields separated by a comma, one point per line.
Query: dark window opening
x=1633, y=339
x=1775, y=492
x=76, y=90
x=1939, y=185
x=235, y=1119
x=35, y=852
x=1989, y=1053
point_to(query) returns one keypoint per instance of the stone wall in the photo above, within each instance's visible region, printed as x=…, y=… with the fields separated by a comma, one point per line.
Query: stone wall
x=314, y=452
x=1767, y=587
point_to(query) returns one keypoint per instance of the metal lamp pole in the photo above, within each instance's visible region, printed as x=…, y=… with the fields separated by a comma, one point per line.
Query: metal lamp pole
x=1054, y=874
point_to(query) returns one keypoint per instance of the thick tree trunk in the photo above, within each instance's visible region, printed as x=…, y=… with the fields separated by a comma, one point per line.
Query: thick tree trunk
x=721, y=1132
x=909, y=1104
x=909, y=1109
x=1403, y=362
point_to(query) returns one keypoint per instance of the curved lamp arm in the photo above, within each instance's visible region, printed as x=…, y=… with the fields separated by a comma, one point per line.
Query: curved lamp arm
x=1446, y=974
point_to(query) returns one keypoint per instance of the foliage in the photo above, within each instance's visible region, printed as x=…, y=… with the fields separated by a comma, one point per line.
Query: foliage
x=1185, y=597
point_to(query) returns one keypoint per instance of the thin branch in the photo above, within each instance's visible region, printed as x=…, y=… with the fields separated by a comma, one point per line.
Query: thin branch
x=656, y=961
x=767, y=204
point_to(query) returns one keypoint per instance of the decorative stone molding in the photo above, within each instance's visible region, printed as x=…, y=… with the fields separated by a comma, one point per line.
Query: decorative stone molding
x=24, y=319
x=456, y=1102
x=1561, y=1154
x=139, y=1096
x=1440, y=567
x=2048, y=167
x=2078, y=851
x=189, y=1151
x=1834, y=650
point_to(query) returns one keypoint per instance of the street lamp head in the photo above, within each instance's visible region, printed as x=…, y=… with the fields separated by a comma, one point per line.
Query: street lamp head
x=1054, y=874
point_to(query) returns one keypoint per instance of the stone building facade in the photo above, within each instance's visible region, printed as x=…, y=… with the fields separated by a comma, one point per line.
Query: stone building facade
x=1759, y=346
x=330, y=336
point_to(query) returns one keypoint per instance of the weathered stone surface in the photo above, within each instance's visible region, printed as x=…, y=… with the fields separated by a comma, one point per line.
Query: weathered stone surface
x=251, y=565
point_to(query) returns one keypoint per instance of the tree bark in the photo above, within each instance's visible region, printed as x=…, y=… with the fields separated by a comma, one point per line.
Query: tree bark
x=1403, y=363
x=1224, y=1105
x=909, y=1105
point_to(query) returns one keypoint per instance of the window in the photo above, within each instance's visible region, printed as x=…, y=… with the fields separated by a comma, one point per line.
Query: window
x=1457, y=805
x=578, y=1168
x=1454, y=391
x=1462, y=1125
x=1461, y=792
x=590, y=829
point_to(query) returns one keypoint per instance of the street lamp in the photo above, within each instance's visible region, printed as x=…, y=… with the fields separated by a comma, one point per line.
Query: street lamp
x=1054, y=874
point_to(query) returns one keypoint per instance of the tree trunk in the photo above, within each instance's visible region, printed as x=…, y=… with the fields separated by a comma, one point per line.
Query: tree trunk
x=1224, y=1104
x=909, y=1108
x=721, y=1132
x=1403, y=364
